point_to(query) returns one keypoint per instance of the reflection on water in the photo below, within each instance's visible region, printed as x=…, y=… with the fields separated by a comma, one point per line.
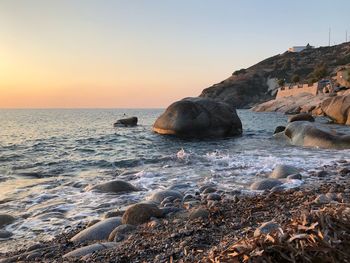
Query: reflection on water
x=48, y=157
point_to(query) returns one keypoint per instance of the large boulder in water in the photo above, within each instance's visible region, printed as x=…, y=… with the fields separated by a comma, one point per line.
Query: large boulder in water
x=198, y=118
x=338, y=109
x=127, y=122
x=303, y=133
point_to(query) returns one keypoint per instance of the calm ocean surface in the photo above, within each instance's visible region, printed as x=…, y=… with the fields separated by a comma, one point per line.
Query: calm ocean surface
x=48, y=157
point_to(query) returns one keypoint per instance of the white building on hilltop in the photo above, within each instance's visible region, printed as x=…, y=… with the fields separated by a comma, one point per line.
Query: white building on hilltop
x=299, y=48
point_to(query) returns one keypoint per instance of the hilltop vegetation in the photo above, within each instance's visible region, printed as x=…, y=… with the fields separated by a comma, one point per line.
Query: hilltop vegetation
x=258, y=83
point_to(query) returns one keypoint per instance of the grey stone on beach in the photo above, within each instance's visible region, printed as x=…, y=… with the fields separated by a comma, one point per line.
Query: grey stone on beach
x=115, y=186
x=140, y=213
x=79, y=252
x=266, y=228
x=199, y=117
x=199, y=213
x=98, y=231
x=282, y=171
x=159, y=196
x=265, y=184
x=295, y=176
x=120, y=231
x=6, y=219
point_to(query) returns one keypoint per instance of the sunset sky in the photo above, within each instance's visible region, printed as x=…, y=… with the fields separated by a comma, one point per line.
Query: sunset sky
x=125, y=54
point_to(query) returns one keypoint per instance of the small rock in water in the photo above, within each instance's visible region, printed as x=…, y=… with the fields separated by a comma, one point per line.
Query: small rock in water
x=5, y=234
x=301, y=117
x=282, y=171
x=322, y=173
x=279, y=129
x=265, y=184
x=127, y=122
x=6, y=219
x=140, y=213
x=159, y=196
x=115, y=186
x=199, y=213
x=266, y=228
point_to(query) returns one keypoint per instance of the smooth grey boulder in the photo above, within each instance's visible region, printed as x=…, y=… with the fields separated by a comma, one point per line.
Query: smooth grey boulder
x=82, y=251
x=140, y=213
x=115, y=186
x=199, y=118
x=159, y=196
x=282, y=171
x=301, y=117
x=6, y=219
x=98, y=231
x=5, y=234
x=127, y=122
x=308, y=134
x=119, y=232
x=265, y=184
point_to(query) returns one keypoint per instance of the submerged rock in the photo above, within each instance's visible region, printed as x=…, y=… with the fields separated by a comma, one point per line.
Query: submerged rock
x=198, y=118
x=265, y=184
x=283, y=171
x=6, y=219
x=127, y=122
x=307, y=134
x=98, y=231
x=79, y=252
x=140, y=213
x=301, y=117
x=115, y=186
x=159, y=196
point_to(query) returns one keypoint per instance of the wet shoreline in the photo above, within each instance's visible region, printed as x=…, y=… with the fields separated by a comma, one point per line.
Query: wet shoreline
x=223, y=222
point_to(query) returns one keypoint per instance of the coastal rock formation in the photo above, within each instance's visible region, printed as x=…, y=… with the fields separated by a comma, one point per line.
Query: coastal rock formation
x=99, y=231
x=127, y=122
x=308, y=134
x=115, y=186
x=140, y=213
x=258, y=83
x=198, y=118
x=338, y=109
x=283, y=171
x=301, y=117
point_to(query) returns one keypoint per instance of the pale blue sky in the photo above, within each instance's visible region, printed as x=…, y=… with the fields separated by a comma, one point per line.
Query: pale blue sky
x=166, y=49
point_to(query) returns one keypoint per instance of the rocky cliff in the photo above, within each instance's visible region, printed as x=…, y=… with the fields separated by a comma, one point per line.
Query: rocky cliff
x=258, y=83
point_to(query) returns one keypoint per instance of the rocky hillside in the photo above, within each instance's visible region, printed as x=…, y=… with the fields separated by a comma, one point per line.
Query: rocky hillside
x=258, y=83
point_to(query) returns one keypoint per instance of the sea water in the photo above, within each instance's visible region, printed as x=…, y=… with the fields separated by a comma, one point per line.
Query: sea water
x=49, y=157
